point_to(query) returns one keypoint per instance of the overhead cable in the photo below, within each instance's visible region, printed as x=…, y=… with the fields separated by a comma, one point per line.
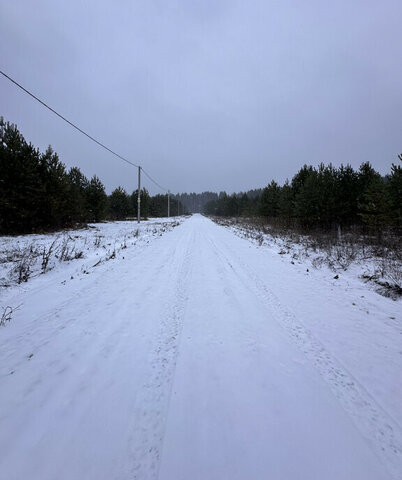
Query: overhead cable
x=152, y=180
x=68, y=121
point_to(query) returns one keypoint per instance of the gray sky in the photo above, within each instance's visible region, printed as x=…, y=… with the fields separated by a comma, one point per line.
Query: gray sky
x=206, y=95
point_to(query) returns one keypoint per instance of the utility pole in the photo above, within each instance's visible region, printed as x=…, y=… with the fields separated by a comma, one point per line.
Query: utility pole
x=168, y=203
x=139, y=196
x=178, y=207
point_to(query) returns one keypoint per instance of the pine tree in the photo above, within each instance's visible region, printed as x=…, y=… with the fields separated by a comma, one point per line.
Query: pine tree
x=375, y=206
x=55, y=182
x=394, y=190
x=96, y=200
x=119, y=204
x=346, y=196
x=77, y=205
x=286, y=204
x=269, y=200
x=20, y=181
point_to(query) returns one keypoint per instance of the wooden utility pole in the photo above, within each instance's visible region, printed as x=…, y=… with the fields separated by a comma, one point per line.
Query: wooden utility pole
x=168, y=203
x=139, y=196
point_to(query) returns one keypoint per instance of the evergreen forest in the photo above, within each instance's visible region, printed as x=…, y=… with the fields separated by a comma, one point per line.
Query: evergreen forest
x=38, y=193
x=323, y=198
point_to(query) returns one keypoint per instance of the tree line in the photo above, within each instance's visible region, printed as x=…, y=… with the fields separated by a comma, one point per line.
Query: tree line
x=324, y=197
x=38, y=193
x=196, y=202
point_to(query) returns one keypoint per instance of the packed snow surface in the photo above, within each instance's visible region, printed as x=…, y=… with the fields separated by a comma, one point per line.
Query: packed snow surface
x=194, y=354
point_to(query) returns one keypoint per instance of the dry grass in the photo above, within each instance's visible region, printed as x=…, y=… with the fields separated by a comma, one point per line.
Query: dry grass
x=382, y=255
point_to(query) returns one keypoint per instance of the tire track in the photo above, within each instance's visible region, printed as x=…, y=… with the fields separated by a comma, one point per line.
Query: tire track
x=146, y=440
x=380, y=430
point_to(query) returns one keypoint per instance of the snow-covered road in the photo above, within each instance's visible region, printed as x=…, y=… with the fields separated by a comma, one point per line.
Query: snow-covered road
x=202, y=357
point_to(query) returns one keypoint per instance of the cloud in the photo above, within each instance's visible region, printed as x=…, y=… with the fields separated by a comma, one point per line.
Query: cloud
x=217, y=95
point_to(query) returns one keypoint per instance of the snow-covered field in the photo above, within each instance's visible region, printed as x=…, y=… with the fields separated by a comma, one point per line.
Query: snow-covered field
x=28, y=256
x=378, y=265
x=196, y=355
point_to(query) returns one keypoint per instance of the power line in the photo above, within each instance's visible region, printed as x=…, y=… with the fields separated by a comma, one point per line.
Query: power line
x=97, y=142
x=80, y=130
x=152, y=180
x=68, y=121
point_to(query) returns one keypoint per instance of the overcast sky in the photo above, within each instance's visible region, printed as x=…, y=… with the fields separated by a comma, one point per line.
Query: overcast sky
x=206, y=94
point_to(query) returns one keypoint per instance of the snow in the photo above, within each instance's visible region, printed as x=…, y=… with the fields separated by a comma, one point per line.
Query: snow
x=195, y=354
x=96, y=244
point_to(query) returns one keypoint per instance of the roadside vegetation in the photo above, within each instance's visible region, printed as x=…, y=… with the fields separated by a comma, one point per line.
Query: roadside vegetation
x=29, y=256
x=325, y=199
x=72, y=254
x=378, y=263
x=335, y=216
